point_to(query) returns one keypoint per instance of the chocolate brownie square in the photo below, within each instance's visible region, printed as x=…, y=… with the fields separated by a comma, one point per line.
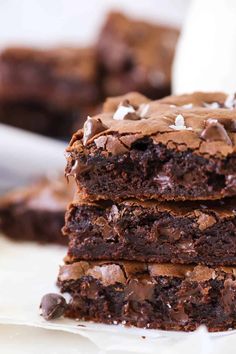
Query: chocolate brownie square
x=47, y=91
x=176, y=148
x=36, y=212
x=150, y=231
x=136, y=56
x=160, y=296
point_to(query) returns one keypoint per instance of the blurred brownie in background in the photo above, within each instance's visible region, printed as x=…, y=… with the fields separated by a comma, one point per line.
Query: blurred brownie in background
x=47, y=91
x=136, y=56
x=51, y=91
x=36, y=212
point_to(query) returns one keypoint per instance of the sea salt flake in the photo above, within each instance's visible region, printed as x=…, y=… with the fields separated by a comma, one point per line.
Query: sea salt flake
x=212, y=105
x=179, y=124
x=122, y=111
x=187, y=106
x=143, y=109
x=230, y=101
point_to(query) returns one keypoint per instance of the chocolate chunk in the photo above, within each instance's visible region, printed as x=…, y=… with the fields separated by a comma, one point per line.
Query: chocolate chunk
x=170, y=233
x=215, y=131
x=107, y=230
x=52, y=306
x=108, y=274
x=92, y=127
x=179, y=315
x=204, y=220
x=139, y=290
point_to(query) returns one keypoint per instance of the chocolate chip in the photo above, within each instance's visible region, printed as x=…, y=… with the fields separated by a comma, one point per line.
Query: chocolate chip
x=52, y=306
x=92, y=127
x=215, y=131
x=139, y=290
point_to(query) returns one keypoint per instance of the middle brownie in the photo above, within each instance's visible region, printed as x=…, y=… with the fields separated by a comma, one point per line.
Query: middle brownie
x=181, y=232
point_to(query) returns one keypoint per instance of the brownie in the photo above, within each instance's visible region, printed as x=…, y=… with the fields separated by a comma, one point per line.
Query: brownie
x=181, y=232
x=160, y=296
x=36, y=212
x=176, y=148
x=48, y=91
x=135, y=55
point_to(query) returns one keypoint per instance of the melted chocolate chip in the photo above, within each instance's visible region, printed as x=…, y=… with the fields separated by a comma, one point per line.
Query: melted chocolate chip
x=204, y=220
x=139, y=290
x=92, y=127
x=52, y=306
x=215, y=131
x=107, y=230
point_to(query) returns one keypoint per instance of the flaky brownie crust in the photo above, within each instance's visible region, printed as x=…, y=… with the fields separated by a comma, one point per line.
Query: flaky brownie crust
x=177, y=148
x=160, y=296
x=181, y=232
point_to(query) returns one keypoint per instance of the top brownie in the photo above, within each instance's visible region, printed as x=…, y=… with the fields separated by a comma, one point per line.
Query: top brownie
x=176, y=148
x=63, y=78
x=136, y=56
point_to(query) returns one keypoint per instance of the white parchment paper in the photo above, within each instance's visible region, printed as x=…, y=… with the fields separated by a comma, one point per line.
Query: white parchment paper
x=28, y=271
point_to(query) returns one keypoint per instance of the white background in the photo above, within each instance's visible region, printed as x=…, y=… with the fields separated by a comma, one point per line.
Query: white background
x=45, y=22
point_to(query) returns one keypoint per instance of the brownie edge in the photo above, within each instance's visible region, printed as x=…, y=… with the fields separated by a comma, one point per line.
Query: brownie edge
x=167, y=149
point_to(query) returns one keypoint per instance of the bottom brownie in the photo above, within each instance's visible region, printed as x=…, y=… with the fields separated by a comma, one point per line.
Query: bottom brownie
x=161, y=296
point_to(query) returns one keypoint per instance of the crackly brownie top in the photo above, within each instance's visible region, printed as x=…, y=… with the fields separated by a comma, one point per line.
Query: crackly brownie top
x=61, y=62
x=147, y=47
x=202, y=122
x=110, y=273
x=46, y=194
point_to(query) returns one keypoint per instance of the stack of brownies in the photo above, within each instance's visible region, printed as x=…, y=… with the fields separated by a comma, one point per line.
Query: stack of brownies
x=152, y=229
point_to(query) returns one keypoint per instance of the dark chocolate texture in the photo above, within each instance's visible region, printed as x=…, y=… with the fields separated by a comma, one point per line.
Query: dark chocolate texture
x=161, y=296
x=180, y=148
x=181, y=232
